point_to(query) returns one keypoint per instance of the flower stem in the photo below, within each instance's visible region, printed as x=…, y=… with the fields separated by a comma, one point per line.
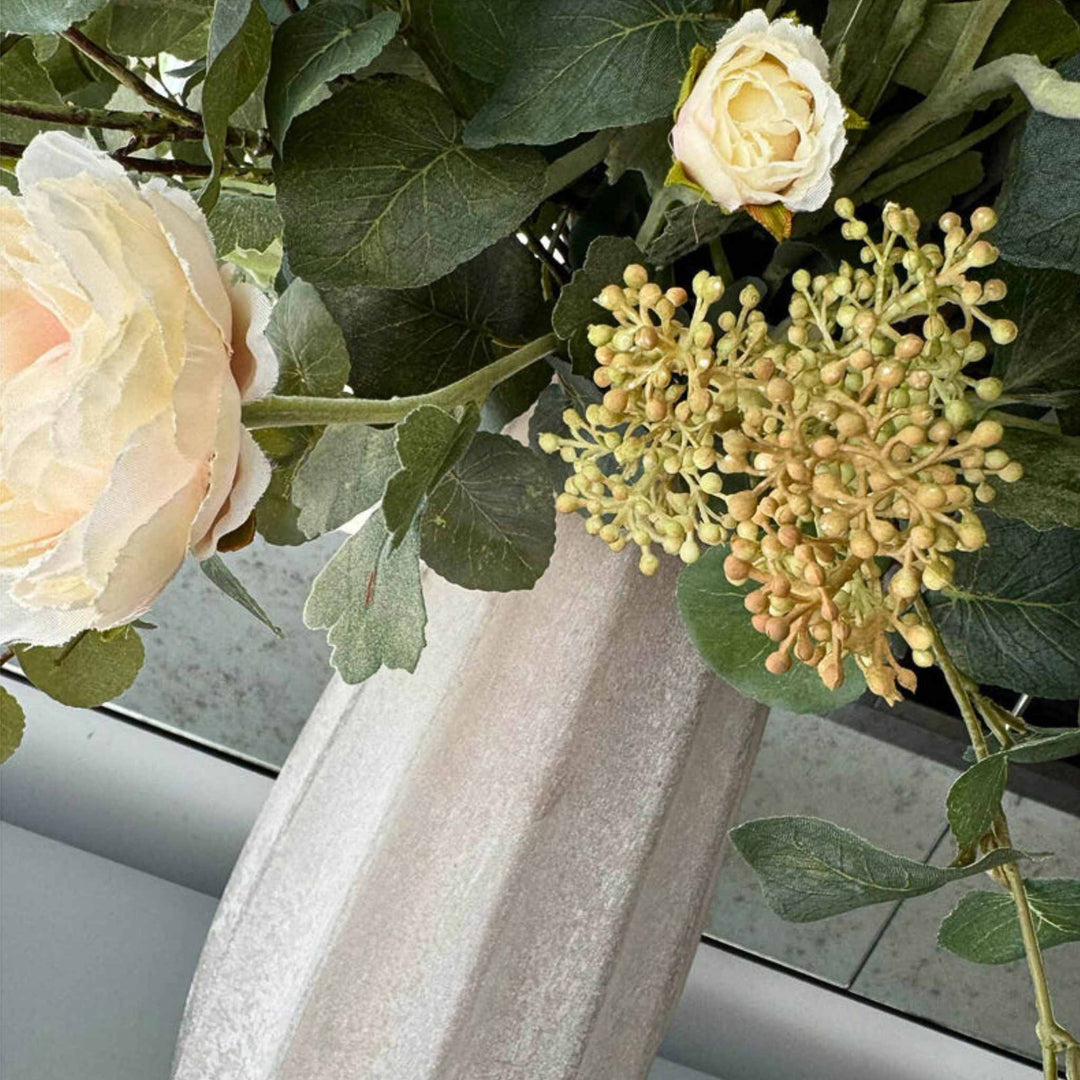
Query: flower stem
x=277, y=411
x=1053, y=1038
x=575, y=163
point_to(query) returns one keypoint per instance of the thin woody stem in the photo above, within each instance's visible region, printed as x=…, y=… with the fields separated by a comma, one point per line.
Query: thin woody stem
x=276, y=411
x=1052, y=1037
x=126, y=77
x=162, y=166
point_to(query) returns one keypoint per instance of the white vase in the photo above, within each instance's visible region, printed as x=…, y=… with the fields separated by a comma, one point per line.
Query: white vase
x=494, y=869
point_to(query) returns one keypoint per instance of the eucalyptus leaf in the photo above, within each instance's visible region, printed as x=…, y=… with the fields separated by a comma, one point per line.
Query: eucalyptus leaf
x=582, y=65
x=1040, y=219
x=376, y=188
x=219, y=573
x=576, y=308
x=369, y=599
x=490, y=522
x=94, y=667
x=12, y=725
x=1011, y=616
x=479, y=36
x=238, y=55
x=984, y=928
x=811, y=869
x=332, y=38
x=975, y=799
x=718, y=623
x=148, y=27
x=44, y=16
x=1048, y=494
x=311, y=349
x=412, y=341
x=243, y=221
x=1042, y=366
x=429, y=442
x=344, y=474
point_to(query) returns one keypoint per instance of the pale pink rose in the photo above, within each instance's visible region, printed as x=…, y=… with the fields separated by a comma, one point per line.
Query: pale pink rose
x=125, y=355
x=762, y=124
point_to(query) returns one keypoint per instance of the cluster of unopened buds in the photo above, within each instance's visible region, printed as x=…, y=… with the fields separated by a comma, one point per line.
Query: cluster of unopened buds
x=840, y=458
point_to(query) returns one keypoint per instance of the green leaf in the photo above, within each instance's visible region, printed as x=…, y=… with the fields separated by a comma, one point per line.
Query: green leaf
x=12, y=725
x=24, y=79
x=44, y=16
x=376, y=188
x=429, y=442
x=310, y=346
x=568, y=391
x=343, y=474
x=1011, y=616
x=931, y=194
x=77, y=79
x=576, y=308
x=975, y=799
x=719, y=626
x=332, y=38
x=811, y=869
x=219, y=573
x=238, y=55
x=984, y=928
x=465, y=93
x=92, y=668
x=479, y=36
x=1040, y=220
x=148, y=27
x=241, y=221
x=1046, y=747
x=1042, y=365
x=412, y=341
x=369, y=598
x=582, y=65
x=276, y=515
x=643, y=147
x=686, y=227
x=1048, y=494
x=490, y=522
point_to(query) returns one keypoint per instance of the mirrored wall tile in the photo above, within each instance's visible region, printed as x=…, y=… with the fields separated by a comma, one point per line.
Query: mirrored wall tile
x=908, y=970
x=810, y=765
x=214, y=670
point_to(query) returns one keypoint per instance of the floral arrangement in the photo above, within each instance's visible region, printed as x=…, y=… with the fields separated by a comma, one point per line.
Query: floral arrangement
x=269, y=266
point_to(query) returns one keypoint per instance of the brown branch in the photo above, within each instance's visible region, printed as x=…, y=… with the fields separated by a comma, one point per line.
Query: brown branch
x=126, y=77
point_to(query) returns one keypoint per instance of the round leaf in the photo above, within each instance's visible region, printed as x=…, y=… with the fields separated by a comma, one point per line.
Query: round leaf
x=92, y=668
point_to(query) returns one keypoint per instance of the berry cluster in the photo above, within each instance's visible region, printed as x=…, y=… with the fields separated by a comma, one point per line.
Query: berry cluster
x=840, y=458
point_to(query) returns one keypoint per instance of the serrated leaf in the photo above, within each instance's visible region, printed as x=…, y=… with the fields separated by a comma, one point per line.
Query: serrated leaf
x=429, y=442
x=376, y=188
x=412, y=341
x=219, y=573
x=369, y=599
x=276, y=516
x=576, y=308
x=1011, y=616
x=719, y=625
x=1048, y=494
x=465, y=93
x=309, y=344
x=237, y=58
x=582, y=65
x=975, y=799
x=479, y=36
x=1042, y=365
x=12, y=725
x=984, y=928
x=44, y=16
x=242, y=221
x=687, y=227
x=811, y=869
x=325, y=40
x=1040, y=221
x=344, y=474
x=24, y=79
x=92, y=668
x=490, y=522
x=643, y=147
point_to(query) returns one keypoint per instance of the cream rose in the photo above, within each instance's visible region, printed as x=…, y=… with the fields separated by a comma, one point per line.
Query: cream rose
x=125, y=354
x=762, y=124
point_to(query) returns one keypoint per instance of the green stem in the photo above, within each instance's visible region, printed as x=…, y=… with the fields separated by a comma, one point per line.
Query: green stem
x=273, y=412
x=971, y=41
x=665, y=197
x=1052, y=1037
x=577, y=162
